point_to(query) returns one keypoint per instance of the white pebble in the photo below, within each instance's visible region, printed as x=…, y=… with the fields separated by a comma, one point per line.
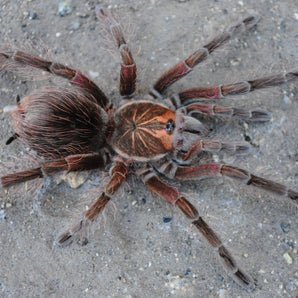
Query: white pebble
x=286, y=99
x=93, y=74
x=9, y=108
x=223, y=293
x=288, y=258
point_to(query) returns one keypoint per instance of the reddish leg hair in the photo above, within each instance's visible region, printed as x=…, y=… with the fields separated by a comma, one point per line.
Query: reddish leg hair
x=128, y=73
x=227, y=112
x=221, y=91
x=172, y=196
x=219, y=170
x=19, y=59
x=216, y=147
x=79, y=162
x=186, y=66
x=80, y=229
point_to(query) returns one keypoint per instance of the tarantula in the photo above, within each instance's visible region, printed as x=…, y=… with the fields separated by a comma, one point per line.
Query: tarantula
x=76, y=129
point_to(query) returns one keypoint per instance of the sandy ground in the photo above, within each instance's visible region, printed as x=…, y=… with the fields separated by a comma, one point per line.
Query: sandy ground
x=135, y=252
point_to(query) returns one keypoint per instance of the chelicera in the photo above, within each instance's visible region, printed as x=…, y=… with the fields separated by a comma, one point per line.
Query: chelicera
x=76, y=128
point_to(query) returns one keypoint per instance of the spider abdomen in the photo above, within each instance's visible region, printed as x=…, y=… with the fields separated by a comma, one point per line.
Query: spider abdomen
x=143, y=130
x=60, y=122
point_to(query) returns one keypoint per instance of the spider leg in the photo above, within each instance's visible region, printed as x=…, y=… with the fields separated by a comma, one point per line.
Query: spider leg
x=79, y=162
x=172, y=196
x=221, y=91
x=227, y=112
x=19, y=59
x=232, y=148
x=220, y=170
x=184, y=67
x=119, y=173
x=128, y=73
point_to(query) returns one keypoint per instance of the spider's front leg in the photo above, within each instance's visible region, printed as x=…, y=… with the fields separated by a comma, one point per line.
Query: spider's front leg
x=172, y=196
x=119, y=174
x=243, y=87
x=188, y=100
x=186, y=66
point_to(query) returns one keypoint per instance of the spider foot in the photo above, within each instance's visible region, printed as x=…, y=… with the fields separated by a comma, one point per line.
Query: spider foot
x=77, y=233
x=81, y=229
x=244, y=280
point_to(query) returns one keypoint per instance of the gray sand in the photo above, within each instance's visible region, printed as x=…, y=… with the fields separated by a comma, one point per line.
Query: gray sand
x=133, y=252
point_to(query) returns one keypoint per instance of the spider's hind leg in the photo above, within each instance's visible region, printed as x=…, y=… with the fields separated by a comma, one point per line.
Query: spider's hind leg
x=119, y=174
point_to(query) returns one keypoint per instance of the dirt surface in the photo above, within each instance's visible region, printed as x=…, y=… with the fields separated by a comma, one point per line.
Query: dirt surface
x=135, y=251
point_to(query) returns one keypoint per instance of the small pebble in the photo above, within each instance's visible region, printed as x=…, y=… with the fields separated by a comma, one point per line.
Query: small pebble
x=223, y=293
x=8, y=205
x=64, y=7
x=75, y=26
x=32, y=15
x=74, y=179
x=187, y=271
x=2, y=214
x=234, y=62
x=291, y=244
x=285, y=227
x=166, y=219
x=9, y=108
x=261, y=271
x=288, y=258
x=93, y=74
x=286, y=99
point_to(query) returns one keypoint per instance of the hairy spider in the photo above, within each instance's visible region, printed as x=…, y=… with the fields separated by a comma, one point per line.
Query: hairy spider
x=76, y=129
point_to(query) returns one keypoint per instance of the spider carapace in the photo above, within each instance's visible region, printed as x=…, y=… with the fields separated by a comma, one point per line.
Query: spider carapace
x=76, y=128
x=143, y=131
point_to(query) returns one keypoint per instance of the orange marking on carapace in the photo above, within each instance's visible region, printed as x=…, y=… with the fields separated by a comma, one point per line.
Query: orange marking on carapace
x=165, y=138
x=124, y=134
x=133, y=139
x=143, y=115
x=135, y=115
x=143, y=141
x=126, y=120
